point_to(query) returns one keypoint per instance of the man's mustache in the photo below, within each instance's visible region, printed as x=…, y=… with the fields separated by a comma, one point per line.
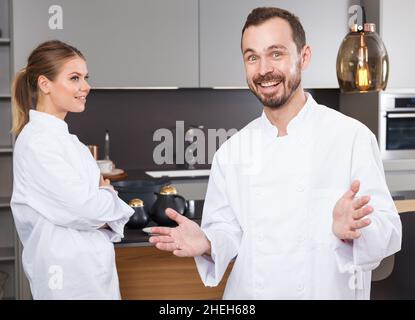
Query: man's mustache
x=269, y=77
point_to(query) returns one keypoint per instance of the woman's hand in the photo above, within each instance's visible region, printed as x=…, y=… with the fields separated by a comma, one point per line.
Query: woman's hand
x=105, y=183
x=185, y=240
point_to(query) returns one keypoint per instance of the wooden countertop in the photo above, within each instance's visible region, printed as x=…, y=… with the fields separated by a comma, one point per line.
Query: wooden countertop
x=405, y=205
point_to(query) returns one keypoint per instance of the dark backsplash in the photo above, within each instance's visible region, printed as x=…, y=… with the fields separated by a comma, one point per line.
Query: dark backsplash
x=132, y=117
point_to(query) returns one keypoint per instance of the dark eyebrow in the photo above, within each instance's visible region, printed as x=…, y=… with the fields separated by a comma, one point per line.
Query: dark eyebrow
x=273, y=47
x=277, y=46
x=248, y=50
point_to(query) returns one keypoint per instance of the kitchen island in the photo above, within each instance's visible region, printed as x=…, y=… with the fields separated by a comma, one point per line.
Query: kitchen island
x=148, y=273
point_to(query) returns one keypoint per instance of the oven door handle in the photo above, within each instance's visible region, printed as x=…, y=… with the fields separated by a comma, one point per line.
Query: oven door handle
x=400, y=115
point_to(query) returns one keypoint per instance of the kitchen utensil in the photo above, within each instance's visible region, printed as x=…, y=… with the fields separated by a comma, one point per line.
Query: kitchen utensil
x=94, y=150
x=140, y=218
x=105, y=166
x=114, y=172
x=107, y=145
x=191, y=209
x=142, y=189
x=167, y=198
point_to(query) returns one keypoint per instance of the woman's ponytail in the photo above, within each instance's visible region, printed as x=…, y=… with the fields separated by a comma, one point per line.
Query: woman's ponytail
x=21, y=101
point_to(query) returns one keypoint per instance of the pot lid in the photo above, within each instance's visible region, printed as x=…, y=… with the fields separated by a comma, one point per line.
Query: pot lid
x=168, y=190
x=136, y=203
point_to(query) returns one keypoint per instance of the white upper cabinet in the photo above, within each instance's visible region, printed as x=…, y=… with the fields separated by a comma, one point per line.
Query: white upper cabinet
x=174, y=43
x=127, y=43
x=397, y=31
x=325, y=23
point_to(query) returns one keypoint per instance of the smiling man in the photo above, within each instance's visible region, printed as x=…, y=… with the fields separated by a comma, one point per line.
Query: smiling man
x=298, y=197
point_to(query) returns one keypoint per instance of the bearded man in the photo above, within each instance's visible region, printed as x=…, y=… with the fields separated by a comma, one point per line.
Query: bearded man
x=298, y=197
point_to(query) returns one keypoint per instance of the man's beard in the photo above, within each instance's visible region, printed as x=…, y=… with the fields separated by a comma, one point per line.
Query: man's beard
x=276, y=101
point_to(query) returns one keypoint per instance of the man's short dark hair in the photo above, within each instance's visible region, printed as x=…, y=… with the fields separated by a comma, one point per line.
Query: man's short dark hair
x=260, y=15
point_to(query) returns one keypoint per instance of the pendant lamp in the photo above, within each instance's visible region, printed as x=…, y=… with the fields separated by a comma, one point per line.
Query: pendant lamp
x=362, y=61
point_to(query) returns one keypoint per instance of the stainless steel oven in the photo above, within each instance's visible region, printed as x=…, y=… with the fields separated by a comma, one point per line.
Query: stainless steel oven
x=397, y=125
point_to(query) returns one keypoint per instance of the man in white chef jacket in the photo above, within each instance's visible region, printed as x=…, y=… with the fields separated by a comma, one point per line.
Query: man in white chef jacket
x=298, y=197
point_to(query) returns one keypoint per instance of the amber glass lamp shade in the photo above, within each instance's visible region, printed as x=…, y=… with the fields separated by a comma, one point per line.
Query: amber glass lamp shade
x=362, y=61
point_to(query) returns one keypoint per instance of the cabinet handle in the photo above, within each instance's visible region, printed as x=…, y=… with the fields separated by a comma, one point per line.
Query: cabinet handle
x=400, y=115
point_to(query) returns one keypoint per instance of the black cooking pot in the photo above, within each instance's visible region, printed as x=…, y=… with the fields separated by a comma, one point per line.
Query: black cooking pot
x=142, y=189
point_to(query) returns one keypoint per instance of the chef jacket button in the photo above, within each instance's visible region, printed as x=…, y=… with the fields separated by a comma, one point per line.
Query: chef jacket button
x=260, y=285
x=258, y=193
x=301, y=239
x=300, y=188
x=300, y=287
x=303, y=141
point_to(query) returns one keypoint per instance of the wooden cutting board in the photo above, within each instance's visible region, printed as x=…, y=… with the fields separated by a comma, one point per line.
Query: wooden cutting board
x=116, y=177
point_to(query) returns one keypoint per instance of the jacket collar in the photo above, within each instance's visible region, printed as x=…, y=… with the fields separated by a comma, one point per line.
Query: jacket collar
x=48, y=120
x=296, y=123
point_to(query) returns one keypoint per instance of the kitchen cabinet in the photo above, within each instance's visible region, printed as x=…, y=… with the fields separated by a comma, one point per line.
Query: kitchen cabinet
x=146, y=273
x=130, y=43
x=5, y=124
x=4, y=67
x=4, y=52
x=178, y=43
x=325, y=23
x=400, y=175
x=397, y=28
x=9, y=245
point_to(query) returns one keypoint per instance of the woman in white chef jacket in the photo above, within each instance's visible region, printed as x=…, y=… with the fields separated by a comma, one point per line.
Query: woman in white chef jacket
x=67, y=216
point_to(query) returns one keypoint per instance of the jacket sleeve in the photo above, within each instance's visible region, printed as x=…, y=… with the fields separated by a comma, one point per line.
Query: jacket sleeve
x=383, y=236
x=221, y=228
x=64, y=196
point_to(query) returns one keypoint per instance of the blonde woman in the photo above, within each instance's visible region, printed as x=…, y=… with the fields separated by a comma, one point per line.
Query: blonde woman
x=67, y=216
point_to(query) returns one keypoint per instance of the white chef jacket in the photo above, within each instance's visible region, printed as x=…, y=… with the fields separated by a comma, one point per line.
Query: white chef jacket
x=58, y=206
x=269, y=205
